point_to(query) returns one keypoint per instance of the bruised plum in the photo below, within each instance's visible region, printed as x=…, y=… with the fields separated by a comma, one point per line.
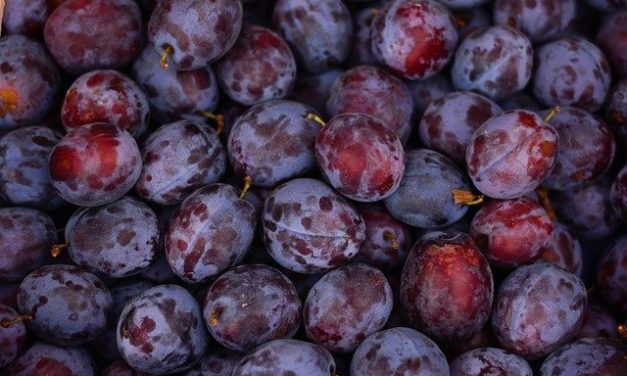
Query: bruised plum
x=538, y=308
x=398, y=351
x=210, y=232
x=161, y=331
x=587, y=357
x=490, y=359
x=308, y=228
x=69, y=305
x=12, y=335
x=612, y=273
x=45, y=359
x=250, y=305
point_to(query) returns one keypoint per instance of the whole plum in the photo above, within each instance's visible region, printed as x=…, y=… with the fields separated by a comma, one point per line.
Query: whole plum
x=45, y=359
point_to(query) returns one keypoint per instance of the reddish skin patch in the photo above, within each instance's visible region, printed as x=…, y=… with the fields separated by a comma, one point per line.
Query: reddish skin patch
x=139, y=335
x=65, y=164
x=49, y=367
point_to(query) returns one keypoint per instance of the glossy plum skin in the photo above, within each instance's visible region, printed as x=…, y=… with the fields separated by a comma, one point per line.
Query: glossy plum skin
x=563, y=250
x=611, y=274
x=106, y=96
x=29, y=81
x=26, y=237
x=69, y=305
x=347, y=305
x=538, y=308
x=540, y=20
x=414, y=38
x=446, y=287
x=211, y=231
x=27, y=17
x=74, y=34
x=586, y=148
x=494, y=61
x=448, y=122
x=161, y=331
x=398, y=351
x=319, y=31
x=179, y=158
x=511, y=233
x=612, y=40
x=511, y=154
x=95, y=164
x=250, y=305
x=12, y=338
x=115, y=240
x=215, y=363
x=571, y=72
x=360, y=157
x=598, y=322
x=616, y=109
x=490, y=359
x=424, y=197
x=199, y=32
x=24, y=176
x=259, y=67
x=273, y=142
x=173, y=94
x=286, y=357
x=45, y=359
x=373, y=91
x=308, y=228
x=587, y=357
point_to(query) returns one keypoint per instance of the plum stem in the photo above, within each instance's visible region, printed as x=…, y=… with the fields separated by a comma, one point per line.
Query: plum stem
x=217, y=118
x=554, y=111
x=215, y=315
x=57, y=248
x=248, y=181
x=8, y=100
x=7, y=323
x=622, y=332
x=466, y=197
x=316, y=118
x=389, y=236
x=167, y=51
x=543, y=196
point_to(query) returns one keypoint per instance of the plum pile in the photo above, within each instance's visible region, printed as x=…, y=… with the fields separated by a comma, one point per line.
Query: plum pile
x=313, y=187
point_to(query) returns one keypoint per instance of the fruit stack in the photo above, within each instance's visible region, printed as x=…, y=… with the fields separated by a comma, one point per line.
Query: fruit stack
x=313, y=187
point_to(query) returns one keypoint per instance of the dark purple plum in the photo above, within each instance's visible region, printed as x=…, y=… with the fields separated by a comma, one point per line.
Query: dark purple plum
x=612, y=40
x=361, y=53
x=494, y=61
x=618, y=193
x=161, y=331
x=598, y=322
x=12, y=335
x=540, y=20
x=8, y=293
x=211, y=231
x=612, y=273
x=26, y=237
x=179, y=158
x=45, y=359
x=616, y=109
x=587, y=357
x=314, y=89
x=319, y=31
x=427, y=90
x=470, y=19
x=563, y=250
x=159, y=271
x=27, y=17
x=308, y=228
x=538, y=308
x=490, y=361
x=522, y=100
x=608, y=5
x=346, y=306
x=398, y=351
x=69, y=305
x=120, y=368
x=250, y=305
x=216, y=362
x=75, y=34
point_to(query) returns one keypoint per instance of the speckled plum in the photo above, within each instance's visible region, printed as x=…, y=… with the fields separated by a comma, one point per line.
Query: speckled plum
x=612, y=40
x=216, y=362
x=250, y=305
x=26, y=237
x=424, y=198
x=587, y=357
x=494, y=61
x=286, y=357
x=27, y=17
x=398, y=351
x=199, y=32
x=538, y=308
x=612, y=273
x=29, y=81
x=45, y=359
x=95, y=164
x=347, y=305
x=161, y=331
x=273, y=142
x=571, y=72
x=511, y=154
x=540, y=20
x=24, y=176
x=563, y=250
x=585, y=151
x=12, y=338
x=69, y=305
x=314, y=89
x=512, y=232
x=360, y=157
x=106, y=96
x=319, y=31
x=74, y=34
x=179, y=158
x=492, y=360
x=308, y=228
x=615, y=110
x=427, y=90
x=210, y=232
x=174, y=95
x=448, y=123
x=446, y=287
x=258, y=68
x=598, y=322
